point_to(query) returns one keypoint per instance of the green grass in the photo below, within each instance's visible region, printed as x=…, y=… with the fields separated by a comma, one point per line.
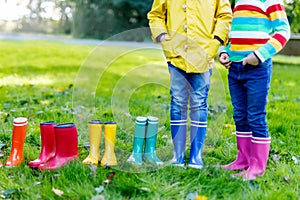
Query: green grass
x=48, y=81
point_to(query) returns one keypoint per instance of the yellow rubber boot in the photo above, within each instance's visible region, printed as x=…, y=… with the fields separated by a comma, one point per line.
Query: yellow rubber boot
x=110, y=131
x=95, y=131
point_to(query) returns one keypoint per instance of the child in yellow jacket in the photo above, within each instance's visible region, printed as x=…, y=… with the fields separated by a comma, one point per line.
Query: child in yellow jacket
x=190, y=32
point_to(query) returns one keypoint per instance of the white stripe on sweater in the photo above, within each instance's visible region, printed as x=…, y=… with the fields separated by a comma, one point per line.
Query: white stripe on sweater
x=247, y=34
x=262, y=5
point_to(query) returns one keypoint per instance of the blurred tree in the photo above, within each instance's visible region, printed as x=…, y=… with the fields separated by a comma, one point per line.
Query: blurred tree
x=135, y=12
x=65, y=16
x=104, y=18
x=46, y=16
x=33, y=19
x=92, y=18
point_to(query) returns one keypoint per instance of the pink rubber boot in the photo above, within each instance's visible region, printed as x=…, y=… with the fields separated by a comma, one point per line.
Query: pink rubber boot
x=243, y=141
x=260, y=148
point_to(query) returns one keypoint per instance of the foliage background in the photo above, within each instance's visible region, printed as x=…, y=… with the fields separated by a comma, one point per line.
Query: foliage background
x=101, y=18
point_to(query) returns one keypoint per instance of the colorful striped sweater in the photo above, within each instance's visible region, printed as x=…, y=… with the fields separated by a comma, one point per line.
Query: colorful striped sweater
x=258, y=26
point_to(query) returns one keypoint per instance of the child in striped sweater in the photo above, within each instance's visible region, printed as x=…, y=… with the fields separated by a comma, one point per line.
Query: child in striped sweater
x=260, y=29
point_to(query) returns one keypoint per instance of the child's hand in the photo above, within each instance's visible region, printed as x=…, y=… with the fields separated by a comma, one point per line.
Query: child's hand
x=251, y=59
x=164, y=38
x=224, y=60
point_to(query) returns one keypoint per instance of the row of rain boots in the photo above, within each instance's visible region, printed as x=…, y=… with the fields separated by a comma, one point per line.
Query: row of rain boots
x=145, y=132
x=95, y=132
x=59, y=145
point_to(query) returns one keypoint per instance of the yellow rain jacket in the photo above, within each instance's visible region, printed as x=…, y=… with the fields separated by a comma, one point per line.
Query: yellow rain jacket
x=190, y=26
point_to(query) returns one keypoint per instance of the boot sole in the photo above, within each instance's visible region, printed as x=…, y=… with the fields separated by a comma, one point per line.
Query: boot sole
x=195, y=166
x=177, y=165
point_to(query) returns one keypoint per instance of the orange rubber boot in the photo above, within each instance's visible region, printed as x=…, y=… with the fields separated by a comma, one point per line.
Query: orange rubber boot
x=18, y=138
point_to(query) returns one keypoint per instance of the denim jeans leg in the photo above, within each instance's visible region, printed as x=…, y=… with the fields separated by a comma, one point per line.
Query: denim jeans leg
x=199, y=87
x=249, y=86
x=178, y=113
x=258, y=85
x=238, y=93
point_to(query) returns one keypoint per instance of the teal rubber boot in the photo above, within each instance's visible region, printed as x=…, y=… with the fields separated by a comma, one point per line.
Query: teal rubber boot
x=151, y=136
x=136, y=156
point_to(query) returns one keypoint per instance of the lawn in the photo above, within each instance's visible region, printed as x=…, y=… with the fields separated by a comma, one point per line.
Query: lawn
x=62, y=82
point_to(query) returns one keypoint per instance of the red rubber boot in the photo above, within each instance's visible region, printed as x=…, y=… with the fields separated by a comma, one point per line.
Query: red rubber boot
x=48, y=144
x=66, y=147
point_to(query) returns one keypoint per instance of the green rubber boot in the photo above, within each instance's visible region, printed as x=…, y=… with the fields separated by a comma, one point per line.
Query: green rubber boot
x=138, y=141
x=151, y=135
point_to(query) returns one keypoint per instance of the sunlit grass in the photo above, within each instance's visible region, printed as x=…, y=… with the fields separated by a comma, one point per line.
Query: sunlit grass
x=38, y=80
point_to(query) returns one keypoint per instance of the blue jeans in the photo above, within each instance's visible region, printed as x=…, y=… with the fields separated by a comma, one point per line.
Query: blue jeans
x=189, y=88
x=192, y=89
x=249, y=86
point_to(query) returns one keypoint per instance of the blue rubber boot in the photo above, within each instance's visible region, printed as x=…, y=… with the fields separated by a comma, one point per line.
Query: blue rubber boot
x=138, y=141
x=178, y=129
x=197, y=136
x=151, y=136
